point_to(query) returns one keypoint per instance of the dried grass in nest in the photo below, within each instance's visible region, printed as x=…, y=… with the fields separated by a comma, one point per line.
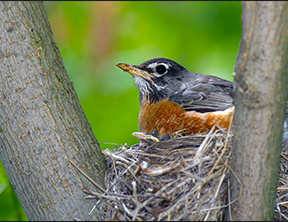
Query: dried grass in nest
x=184, y=178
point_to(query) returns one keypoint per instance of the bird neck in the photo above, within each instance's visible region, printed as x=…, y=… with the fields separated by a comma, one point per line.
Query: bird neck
x=154, y=97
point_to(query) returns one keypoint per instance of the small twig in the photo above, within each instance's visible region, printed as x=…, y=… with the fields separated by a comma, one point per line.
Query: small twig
x=223, y=175
x=135, y=192
x=109, y=153
x=92, y=209
x=87, y=177
x=126, y=209
x=202, y=146
x=229, y=200
x=207, y=215
x=285, y=202
x=240, y=183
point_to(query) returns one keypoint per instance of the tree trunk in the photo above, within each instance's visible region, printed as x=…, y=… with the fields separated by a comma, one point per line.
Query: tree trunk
x=42, y=124
x=260, y=97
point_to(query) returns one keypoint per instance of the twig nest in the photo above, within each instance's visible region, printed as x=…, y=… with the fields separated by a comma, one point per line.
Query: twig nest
x=184, y=178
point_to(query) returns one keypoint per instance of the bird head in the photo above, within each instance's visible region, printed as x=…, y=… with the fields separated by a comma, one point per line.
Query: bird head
x=157, y=79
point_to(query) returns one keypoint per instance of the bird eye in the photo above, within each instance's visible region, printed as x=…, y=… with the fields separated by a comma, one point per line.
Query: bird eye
x=161, y=69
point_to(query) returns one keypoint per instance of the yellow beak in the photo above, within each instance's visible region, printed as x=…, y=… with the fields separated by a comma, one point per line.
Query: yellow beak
x=134, y=70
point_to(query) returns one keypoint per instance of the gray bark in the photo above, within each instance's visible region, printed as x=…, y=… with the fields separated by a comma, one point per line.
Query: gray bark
x=42, y=124
x=260, y=96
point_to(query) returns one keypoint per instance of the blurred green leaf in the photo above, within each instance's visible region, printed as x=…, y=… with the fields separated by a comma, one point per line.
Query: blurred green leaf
x=10, y=206
x=3, y=185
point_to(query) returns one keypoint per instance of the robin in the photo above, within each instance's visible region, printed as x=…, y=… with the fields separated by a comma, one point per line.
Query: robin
x=174, y=100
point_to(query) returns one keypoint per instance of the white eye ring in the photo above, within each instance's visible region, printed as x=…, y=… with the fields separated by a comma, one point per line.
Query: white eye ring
x=154, y=67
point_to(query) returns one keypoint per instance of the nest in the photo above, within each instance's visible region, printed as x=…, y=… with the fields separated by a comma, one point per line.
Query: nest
x=184, y=178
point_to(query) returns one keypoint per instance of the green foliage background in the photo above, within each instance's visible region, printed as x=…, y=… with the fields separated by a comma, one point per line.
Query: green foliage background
x=92, y=37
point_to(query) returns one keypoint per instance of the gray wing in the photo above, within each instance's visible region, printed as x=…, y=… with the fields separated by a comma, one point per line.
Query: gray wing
x=205, y=94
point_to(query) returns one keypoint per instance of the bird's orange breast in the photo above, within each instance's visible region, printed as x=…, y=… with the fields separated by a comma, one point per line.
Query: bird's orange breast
x=167, y=118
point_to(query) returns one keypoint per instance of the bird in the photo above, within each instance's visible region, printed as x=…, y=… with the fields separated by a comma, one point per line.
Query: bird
x=176, y=101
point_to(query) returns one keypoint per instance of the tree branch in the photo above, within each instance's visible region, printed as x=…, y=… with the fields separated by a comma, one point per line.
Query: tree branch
x=260, y=97
x=42, y=124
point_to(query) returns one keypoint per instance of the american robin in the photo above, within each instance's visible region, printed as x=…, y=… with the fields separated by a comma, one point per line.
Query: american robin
x=174, y=100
